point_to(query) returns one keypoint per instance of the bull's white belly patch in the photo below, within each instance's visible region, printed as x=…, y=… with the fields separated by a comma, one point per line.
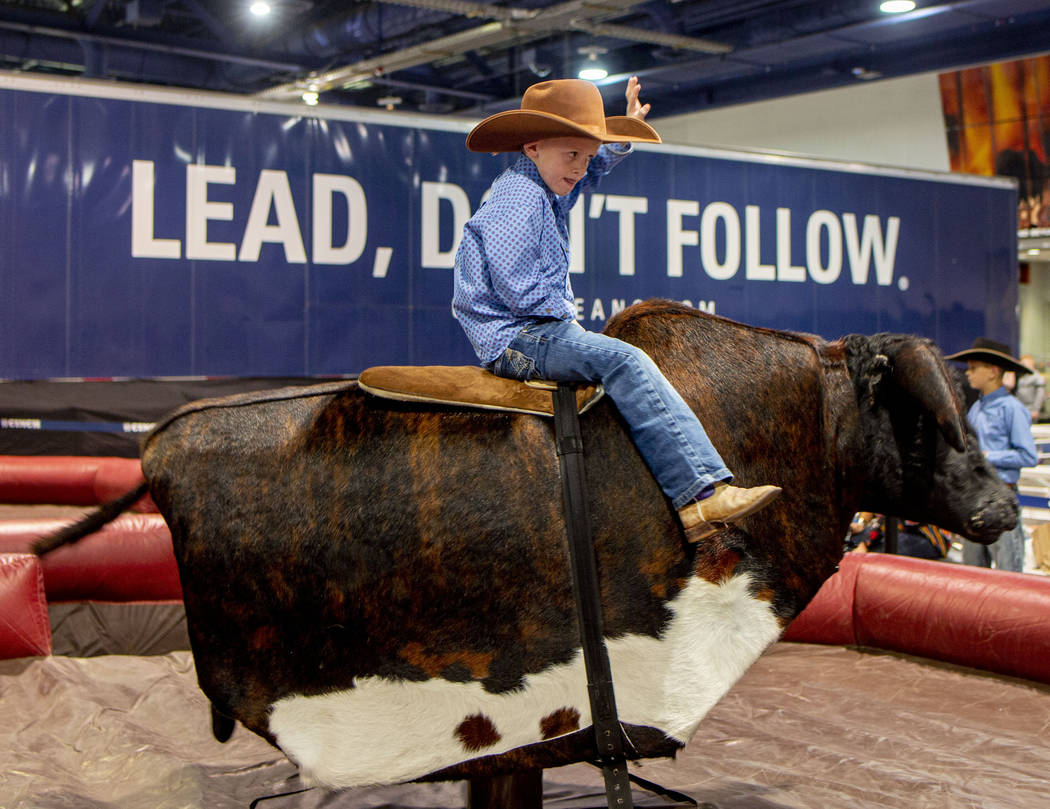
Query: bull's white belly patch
x=385, y=731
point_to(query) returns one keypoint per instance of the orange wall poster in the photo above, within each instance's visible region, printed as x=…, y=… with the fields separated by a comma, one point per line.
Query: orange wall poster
x=998, y=122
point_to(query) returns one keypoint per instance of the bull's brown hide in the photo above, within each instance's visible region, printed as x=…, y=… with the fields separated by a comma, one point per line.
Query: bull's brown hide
x=324, y=536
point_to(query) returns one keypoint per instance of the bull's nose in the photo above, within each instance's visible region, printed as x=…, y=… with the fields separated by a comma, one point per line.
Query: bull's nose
x=992, y=518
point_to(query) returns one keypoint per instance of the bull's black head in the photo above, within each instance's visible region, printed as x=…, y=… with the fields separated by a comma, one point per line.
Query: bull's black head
x=923, y=462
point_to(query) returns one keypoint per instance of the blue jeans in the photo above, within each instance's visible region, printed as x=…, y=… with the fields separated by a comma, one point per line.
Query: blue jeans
x=1007, y=551
x=666, y=432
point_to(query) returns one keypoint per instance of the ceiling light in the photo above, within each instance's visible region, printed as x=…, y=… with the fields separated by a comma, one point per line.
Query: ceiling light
x=259, y=8
x=311, y=97
x=389, y=102
x=591, y=70
x=593, y=73
x=1033, y=251
x=896, y=6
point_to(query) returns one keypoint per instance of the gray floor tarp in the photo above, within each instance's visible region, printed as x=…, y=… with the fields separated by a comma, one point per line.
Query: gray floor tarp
x=812, y=727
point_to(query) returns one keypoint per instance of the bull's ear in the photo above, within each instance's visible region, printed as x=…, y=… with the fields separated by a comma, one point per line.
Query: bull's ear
x=919, y=370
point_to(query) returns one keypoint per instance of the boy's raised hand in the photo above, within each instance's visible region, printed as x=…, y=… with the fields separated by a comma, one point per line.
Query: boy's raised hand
x=635, y=109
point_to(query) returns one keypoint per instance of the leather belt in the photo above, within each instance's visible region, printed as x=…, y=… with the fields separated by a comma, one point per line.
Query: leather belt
x=608, y=734
x=610, y=739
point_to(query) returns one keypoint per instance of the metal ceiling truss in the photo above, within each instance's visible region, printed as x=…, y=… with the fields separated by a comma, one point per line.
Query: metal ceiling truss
x=469, y=58
x=509, y=25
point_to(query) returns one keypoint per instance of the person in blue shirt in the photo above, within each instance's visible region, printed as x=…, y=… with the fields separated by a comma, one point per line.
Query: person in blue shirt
x=1004, y=432
x=513, y=298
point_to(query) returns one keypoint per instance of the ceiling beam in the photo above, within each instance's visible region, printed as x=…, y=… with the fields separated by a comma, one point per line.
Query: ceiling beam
x=468, y=9
x=508, y=26
x=489, y=34
x=632, y=34
x=144, y=45
x=382, y=81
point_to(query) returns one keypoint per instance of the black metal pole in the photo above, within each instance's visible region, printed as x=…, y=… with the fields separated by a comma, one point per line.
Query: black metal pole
x=889, y=534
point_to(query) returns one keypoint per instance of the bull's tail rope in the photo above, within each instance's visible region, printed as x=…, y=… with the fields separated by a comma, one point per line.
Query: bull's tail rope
x=90, y=523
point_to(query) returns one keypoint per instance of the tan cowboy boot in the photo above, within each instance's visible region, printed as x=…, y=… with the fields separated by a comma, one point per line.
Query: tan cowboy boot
x=727, y=504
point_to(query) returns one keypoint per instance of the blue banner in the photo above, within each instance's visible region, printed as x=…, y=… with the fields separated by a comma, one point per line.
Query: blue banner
x=141, y=237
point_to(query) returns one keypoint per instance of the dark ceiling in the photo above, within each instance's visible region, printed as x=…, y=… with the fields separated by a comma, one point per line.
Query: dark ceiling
x=467, y=58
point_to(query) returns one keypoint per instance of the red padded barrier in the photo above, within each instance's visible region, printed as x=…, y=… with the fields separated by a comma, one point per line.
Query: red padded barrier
x=25, y=630
x=989, y=619
x=131, y=559
x=69, y=480
x=828, y=618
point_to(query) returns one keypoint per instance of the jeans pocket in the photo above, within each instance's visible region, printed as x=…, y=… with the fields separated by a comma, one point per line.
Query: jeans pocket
x=514, y=365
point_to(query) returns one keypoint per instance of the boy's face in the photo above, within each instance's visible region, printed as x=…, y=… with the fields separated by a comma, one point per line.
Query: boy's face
x=983, y=377
x=561, y=162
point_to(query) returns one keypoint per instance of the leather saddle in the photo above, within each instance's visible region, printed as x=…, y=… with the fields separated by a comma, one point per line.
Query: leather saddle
x=468, y=386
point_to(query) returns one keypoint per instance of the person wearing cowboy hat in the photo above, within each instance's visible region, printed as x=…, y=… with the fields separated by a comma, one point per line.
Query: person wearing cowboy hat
x=513, y=298
x=1004, y=432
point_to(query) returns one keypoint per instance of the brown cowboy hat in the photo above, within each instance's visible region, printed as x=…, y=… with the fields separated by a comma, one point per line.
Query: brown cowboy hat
x=993, y=353
x=563, y=108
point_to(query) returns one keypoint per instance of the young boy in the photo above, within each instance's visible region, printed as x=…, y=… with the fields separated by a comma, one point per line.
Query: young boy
x=513, y=298
x=1004, y=432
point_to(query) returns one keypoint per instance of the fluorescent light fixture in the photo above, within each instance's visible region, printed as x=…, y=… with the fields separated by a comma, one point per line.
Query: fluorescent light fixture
x=1033, y=251
x=311, y=98
x=591, y=70
x=897, y=6
x=259, y=8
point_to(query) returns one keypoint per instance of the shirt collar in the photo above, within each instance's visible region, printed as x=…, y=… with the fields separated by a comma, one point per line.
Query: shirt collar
x=998, y=393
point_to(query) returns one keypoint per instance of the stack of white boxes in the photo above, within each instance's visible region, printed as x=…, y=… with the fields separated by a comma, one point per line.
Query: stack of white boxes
x=1034, y=491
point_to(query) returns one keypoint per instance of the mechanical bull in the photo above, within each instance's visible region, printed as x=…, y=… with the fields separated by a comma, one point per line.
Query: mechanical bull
x=383, y=591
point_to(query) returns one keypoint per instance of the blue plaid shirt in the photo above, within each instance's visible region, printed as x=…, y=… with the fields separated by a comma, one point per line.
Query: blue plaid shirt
x=512, y=266
x=1004, y=432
